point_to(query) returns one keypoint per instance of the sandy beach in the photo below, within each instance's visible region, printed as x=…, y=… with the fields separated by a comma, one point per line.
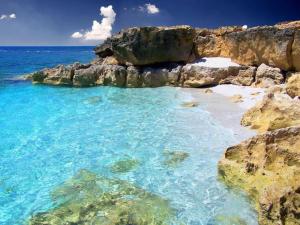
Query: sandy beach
x=221, y=105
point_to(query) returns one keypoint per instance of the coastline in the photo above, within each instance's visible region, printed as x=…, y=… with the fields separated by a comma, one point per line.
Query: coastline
x=226, y=112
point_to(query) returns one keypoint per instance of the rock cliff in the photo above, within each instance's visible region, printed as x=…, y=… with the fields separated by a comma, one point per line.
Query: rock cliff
x=159, y=56
x=267, y=167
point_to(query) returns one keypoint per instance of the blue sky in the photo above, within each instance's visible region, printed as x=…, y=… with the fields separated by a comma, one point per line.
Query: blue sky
x=52, y=22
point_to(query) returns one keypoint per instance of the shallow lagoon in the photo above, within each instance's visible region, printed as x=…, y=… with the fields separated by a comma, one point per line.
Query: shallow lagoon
x=48, y=134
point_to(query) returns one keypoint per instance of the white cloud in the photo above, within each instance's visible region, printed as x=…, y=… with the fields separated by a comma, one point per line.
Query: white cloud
x=151, y=9
x=100, y=31
x=77, y=35
x=7, y=17
x=13, y=16
x=2, y=17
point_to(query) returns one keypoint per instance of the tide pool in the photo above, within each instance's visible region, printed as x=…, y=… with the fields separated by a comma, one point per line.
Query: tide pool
x=48, y=134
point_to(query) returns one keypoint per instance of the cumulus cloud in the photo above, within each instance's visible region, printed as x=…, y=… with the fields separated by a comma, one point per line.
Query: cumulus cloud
x=7, y=17
x=100, y=31
x=77, y=35
x=13, y=16
x=151, y=9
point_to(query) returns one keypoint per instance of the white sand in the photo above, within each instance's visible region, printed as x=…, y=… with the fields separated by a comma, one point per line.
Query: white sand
x=250, y=95
x=214, y=62
x=220, y=107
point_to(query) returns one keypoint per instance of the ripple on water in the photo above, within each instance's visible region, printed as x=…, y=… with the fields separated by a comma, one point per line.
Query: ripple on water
x=49, y=134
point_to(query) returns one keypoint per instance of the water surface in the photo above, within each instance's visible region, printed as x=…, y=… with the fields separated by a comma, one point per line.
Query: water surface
x=49, y=133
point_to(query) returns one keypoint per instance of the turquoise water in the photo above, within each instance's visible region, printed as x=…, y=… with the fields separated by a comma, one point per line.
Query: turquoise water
x=48, y=134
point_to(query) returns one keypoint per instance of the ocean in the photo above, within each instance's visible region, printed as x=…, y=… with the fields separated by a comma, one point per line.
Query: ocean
x=48, y=134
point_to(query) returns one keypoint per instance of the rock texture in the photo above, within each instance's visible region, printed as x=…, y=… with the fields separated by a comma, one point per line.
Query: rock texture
x=273, y=112
x=293, y=85
x=146, y=57
x=255, y=46
x=150, y=45
x=267, y=76
x=267, y=167
x=296, y=51
x=198, y=76
x=277, y=46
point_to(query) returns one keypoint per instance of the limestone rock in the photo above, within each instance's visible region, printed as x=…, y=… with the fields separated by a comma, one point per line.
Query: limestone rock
x=267, y=76
x=296, y=51
x=267, y=167
x=199, y=76
x=60, y=75
x=87, y=76
x=236, y=98
x=150, y=45
x=245, y=77
x=289, y=24
x=273, y=112
x=254, y=46
x=157, y=77
x=88, y=198
x=112, y=75
x=293, y=85
x=134, y=79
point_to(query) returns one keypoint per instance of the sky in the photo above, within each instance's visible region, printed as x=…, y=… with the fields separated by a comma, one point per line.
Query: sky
x=90, y=22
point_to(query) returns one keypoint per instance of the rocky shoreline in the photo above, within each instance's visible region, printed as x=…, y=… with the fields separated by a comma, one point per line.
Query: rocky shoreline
x=266, y=166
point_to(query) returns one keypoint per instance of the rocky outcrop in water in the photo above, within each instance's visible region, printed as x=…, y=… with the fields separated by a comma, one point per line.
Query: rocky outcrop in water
x=267, y=167
x=159, y=56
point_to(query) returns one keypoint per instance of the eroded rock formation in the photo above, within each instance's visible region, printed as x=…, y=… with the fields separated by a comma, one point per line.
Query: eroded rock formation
x=267, y=167
x=150, y=45
x=273, y=112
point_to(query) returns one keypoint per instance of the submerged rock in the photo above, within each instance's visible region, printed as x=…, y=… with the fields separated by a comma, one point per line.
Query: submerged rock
x=93, y=100
x=124, y=166
x=267, y=167
x=150, y=45
x=227, y=220
x=174, y=158
x=273, y=112
x=91, y=199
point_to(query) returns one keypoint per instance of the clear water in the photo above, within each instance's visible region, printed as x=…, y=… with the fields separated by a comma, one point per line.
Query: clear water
x=47, y=134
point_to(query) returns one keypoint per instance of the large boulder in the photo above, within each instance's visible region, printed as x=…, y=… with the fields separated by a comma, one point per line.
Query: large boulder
x=273, y=112
x=150, y=45
x=254, y=46
x=112, y=75
x=157, y=77
x=87, y=76
x=293, y=85
x=267, y=76
x=267, y=167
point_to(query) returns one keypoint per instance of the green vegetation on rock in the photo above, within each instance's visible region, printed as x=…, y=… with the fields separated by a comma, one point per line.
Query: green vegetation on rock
x=91, y=199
